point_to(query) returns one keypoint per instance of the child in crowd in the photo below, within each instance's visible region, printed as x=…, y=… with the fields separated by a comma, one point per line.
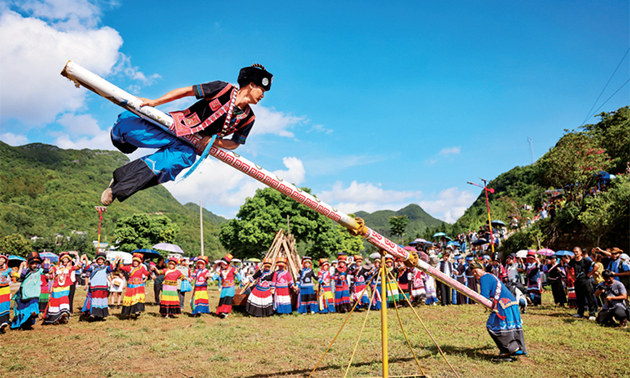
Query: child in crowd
x=116, y=288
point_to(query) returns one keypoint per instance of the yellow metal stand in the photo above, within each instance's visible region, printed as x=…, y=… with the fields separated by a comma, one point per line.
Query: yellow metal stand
x=384, y=316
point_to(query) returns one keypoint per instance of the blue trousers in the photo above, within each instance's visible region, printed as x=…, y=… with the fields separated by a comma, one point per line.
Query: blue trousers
x=173, y=155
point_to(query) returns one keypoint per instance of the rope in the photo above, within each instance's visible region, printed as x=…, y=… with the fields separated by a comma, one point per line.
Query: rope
x=429, y=333
x=390, y=276
x=360, y=333
x=340, y=329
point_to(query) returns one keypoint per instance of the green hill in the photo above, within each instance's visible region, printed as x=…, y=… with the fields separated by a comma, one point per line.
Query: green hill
x=46, y=190
x=419, y=221
x=584, y=215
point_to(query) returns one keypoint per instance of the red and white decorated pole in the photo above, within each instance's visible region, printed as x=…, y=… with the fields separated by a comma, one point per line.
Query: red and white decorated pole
x=100, y=86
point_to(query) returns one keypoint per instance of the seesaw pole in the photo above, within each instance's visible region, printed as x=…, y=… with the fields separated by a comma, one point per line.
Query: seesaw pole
x=356, y=226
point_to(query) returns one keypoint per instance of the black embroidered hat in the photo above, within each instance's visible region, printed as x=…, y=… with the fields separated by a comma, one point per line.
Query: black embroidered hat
x=256, y=74
x=475, y=265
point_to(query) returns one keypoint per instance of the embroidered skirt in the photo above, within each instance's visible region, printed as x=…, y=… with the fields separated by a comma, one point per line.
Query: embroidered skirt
x=169, y=301
x=507, y=333
x=260, y=302
x=5, y=304
x=199, y=301
x=307, y=300
x=58, y=304
x=25, y=312
x=226, y=300
x=282, y=300
x=342, y=299
x=96, y=302
x=133, y=302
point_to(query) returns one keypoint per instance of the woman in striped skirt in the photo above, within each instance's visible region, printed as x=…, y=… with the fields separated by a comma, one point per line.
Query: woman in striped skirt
x=26, y=308
x=307, y=300
x=282, y=282
x=260, y=300
x=5, y=292
x=325, y=299
x=133, y=301
x=201, y=275
x=169, y=300
x=95, y=304
x=342, y=291
x=228, y=276
x=58, y=310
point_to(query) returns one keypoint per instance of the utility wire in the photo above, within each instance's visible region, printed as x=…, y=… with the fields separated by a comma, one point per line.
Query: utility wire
x=622, y=85
x=605, y=86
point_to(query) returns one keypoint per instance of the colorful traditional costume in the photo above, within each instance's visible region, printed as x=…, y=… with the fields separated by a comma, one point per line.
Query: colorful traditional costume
x=459, y=273
x=429, y=287
x=282, y=282
x=405, y=278
x=391, y=288
x=215, y=114
x=361, y=277
x=5, y=292
x=169, y=300
x=418, y=292
x=44, y=295
x=228, y=276
x=504, y=323
x=342, y=291
x=445, y=267
x=325, y=299
x=471, y=281
x=260, y=300
x=534, y=283
x=26, y=308
x=133, y=301
x=59, y=304
x=307, y=300
x=96, y=301
x=199, y=300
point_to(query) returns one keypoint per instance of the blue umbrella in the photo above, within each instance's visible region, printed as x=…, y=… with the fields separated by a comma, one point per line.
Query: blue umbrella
x=15, y=260
x=439, y=234
x=49, y=255
x=497, y=222
x=454, y=243
x=563, y=253
x=148, y=253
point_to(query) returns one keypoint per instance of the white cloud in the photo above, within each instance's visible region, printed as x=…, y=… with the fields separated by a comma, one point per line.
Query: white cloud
x=13, y=139
x=99, y=141
x=271, y=121
x=449, y=204
x=430, y=161
x=449, y=151
x=83, y=124
x=220, y=185
x=35, y=47
x=320, y=129
x=125, y=67
x=367, y=197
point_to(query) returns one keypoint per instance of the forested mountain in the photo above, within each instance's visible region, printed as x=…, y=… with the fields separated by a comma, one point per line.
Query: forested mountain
x=46, y=190
x=419, y=221
x=591, y=208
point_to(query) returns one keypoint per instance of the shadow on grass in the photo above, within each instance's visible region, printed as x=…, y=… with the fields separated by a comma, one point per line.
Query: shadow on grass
x=306, y=372
x=479, y=354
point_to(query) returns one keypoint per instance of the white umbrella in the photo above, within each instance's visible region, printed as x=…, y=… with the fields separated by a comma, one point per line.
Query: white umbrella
x=168, y=247
x=522, y=253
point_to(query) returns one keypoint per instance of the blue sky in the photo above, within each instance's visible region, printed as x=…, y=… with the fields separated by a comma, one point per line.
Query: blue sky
x=374, y=105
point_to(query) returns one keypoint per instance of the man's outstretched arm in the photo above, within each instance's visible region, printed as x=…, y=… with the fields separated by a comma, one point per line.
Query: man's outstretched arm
x=170, y=96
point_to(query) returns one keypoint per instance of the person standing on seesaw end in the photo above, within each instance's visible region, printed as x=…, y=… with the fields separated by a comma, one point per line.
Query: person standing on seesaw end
x=222, y=110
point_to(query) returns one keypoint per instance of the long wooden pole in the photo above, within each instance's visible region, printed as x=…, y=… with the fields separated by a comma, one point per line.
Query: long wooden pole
x=201, y=225
x=384, y=317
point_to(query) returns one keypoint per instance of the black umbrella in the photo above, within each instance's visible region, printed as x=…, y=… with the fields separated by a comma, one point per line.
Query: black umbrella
x=480, y=241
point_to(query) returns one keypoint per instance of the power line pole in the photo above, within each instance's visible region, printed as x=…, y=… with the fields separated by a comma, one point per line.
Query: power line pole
x=531, y=148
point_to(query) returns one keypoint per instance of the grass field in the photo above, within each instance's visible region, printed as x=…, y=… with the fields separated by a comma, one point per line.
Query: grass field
x=291, y=345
